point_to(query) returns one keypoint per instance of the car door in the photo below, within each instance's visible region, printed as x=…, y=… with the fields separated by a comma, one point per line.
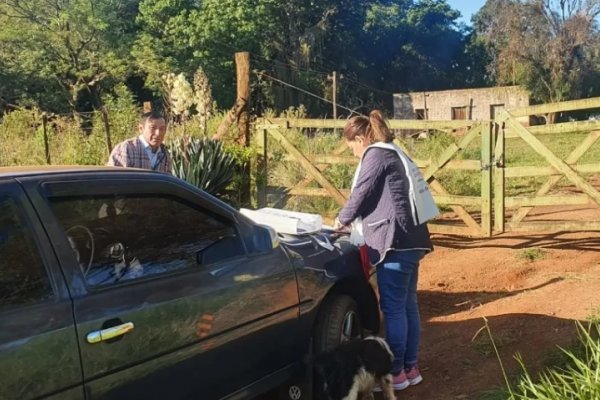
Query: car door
x=39, y=355
x=172, y=300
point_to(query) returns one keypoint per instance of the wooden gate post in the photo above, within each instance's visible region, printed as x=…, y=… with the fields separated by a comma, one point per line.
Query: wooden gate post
x=486, y=180
x=260, y=169
x=106, y=122
x=46, y=140
x=499, y=178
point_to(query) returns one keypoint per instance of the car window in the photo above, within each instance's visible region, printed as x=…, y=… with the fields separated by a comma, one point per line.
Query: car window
x=23, y=278
x=125, y=238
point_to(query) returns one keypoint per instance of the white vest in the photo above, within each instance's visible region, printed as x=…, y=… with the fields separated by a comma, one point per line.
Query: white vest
x=421, y=201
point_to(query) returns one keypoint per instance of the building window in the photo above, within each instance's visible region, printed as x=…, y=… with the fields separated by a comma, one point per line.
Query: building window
x=494, y=110
x=421, y=113
x=459, y=113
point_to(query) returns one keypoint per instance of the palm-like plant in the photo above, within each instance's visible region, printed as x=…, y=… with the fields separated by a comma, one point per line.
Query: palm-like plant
x=203, y=163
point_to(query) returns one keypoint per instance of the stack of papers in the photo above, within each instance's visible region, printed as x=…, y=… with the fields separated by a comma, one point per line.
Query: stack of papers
x=283, y=221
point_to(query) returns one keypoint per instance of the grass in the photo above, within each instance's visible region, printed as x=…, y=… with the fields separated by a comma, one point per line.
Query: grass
x=572, y=374
x=579, y=379
x=531, y=254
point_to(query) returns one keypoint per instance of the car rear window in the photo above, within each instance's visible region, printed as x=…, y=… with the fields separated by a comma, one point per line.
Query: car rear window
x=23, y=278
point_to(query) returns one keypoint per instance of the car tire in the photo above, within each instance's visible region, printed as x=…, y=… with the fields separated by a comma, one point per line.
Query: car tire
x=339, y=321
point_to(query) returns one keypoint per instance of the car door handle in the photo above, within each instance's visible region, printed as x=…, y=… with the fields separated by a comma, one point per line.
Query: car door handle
x=109, y=333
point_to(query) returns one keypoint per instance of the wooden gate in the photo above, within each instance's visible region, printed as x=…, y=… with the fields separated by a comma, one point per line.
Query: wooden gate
x=474, y=212
x=494, y=164
x=553, y=169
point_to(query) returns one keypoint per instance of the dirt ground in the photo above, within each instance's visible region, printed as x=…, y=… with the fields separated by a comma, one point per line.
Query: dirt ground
x=531, y=307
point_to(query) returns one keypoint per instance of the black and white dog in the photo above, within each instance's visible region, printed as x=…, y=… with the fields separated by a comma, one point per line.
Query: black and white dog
x=351, y=371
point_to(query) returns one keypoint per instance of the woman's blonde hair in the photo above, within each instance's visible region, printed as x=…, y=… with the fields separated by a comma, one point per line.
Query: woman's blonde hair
x=374, y=128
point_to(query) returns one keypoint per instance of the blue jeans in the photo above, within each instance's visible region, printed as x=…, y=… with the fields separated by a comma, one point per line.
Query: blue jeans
x=397, y=277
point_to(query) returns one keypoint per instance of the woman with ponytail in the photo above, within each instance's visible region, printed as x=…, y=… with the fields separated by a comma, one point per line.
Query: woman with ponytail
x=389, y=207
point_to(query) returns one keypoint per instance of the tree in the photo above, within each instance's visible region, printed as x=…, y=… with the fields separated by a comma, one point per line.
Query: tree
x=376, y=45
x=549, y=46
x=179, y=35
x=77, y=45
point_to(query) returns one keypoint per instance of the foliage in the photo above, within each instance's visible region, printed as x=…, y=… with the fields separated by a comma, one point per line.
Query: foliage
x=123, y=114
x=21, y=139
x=77, y=46
x=297, y=40
x=202, y=162
x=64, y=56
x=565, y=67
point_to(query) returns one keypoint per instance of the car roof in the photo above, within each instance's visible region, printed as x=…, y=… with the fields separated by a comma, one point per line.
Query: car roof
x=14, y=172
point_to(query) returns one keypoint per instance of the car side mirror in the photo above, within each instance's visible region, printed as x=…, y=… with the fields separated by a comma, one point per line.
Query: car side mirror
x=269, y=234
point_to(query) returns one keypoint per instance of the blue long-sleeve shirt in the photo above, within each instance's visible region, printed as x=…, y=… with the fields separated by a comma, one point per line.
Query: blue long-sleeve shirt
x=381, y=198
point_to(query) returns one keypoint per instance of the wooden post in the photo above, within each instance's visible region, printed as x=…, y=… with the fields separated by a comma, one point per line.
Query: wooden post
x=262, y=176
x=231, y=116
x=486, y=180
x=334, y=93
x=242, y=64
x=106, y=129
x=499, y=178
x=46, y=141
x=470, y=109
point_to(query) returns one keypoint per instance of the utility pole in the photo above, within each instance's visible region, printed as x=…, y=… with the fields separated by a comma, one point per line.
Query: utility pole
x=333, y=79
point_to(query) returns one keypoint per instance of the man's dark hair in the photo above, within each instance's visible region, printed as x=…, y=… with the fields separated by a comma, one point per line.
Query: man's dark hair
x=150, y=116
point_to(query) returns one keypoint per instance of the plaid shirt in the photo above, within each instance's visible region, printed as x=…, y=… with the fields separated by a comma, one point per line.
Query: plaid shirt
x=132, y=154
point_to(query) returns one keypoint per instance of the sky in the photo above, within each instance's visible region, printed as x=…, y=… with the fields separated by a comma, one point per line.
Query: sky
x=467, y=8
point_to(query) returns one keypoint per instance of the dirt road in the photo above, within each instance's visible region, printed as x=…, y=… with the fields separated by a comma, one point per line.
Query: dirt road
x=531, y=306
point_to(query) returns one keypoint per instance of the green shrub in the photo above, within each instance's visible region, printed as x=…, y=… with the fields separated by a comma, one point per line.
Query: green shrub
x=22, y=138
x=123, y=115
x=531, y=254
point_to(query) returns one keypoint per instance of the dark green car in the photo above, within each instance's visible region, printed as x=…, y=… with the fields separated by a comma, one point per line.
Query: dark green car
x=121, y=283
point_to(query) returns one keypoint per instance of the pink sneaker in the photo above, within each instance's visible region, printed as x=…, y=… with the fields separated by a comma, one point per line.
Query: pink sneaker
x=413, y=376
x=400, y=381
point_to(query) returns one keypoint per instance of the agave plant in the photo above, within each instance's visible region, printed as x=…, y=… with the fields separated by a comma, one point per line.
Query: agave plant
x=203, y=163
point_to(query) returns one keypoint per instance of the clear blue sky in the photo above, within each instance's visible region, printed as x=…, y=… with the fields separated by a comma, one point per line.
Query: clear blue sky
x=467, y=8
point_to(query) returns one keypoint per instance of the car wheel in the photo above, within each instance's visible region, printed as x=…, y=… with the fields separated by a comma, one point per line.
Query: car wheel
x=339, y=321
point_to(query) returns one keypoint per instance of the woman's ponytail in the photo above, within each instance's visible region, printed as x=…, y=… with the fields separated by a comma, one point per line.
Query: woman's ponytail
x=379, y=130
x=374, y=128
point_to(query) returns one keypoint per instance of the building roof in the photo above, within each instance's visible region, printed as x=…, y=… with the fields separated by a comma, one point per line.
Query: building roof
x=515, y=88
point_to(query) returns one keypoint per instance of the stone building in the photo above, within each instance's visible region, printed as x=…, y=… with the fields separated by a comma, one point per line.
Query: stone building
x=470, y=104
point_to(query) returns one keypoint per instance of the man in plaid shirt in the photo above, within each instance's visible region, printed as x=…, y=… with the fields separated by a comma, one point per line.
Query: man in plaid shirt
x=147, y=150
